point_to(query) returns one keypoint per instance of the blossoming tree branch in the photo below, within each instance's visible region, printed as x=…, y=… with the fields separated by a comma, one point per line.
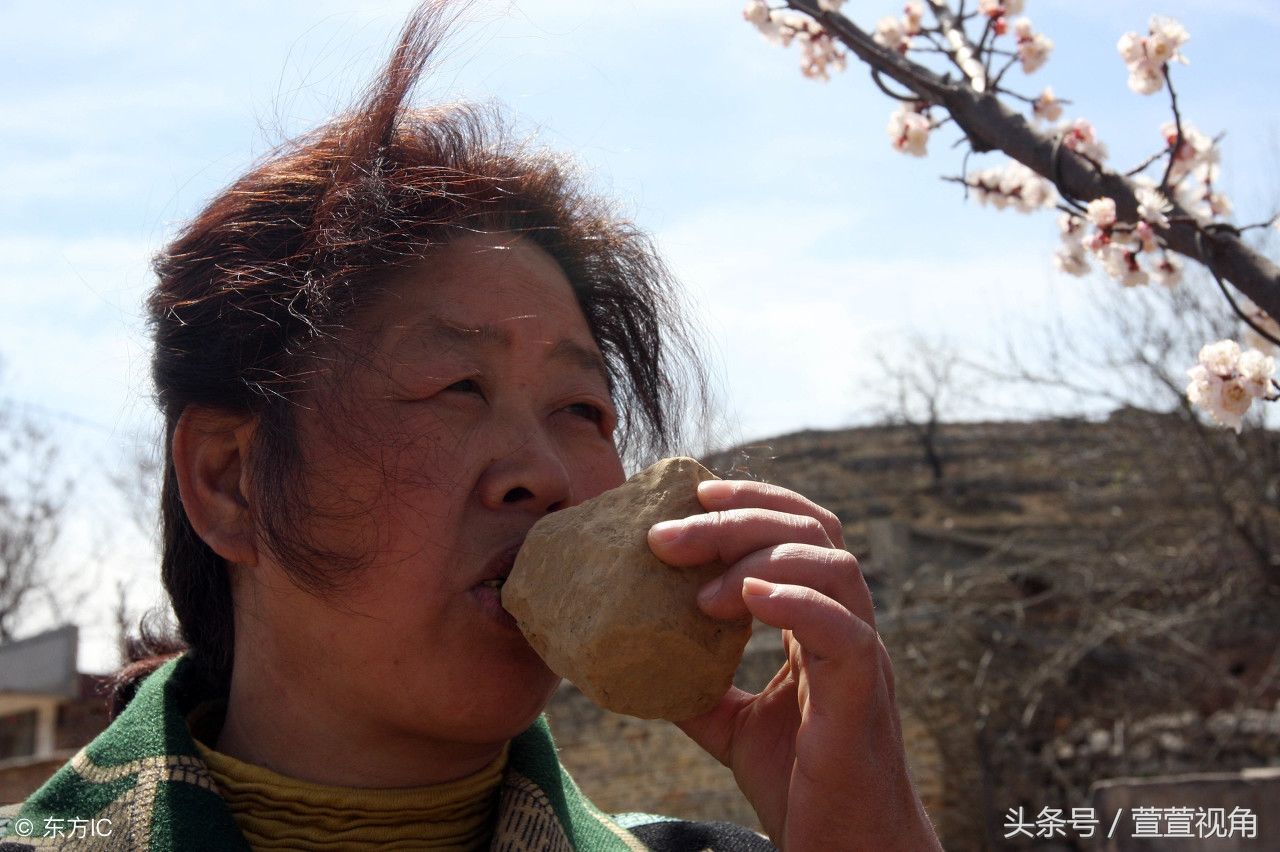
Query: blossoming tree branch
x=1137, y=224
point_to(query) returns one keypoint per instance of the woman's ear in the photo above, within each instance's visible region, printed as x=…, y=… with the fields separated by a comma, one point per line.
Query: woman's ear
x=211, y=458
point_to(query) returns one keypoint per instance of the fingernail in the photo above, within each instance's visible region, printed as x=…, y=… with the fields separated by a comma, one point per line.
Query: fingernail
x=710, y=590
x=715, y=490
x=756, y=587
x=666, y=532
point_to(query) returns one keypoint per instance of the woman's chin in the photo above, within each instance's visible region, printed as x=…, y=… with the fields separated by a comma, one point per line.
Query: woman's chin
x=514, y=700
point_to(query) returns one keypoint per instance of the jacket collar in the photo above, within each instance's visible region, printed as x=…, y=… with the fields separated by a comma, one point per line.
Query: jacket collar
x=143, y=781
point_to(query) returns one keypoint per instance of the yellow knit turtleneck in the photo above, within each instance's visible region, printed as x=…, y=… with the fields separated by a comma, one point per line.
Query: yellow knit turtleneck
x=277, y=812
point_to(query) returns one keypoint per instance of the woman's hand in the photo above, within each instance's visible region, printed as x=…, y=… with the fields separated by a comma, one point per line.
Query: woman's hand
x=818, y=752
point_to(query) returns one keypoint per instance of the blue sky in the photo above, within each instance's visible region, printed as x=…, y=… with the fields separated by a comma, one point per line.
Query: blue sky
x=806, y=244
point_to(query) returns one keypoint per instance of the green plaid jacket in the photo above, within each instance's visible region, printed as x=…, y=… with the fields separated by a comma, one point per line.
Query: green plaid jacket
x=141, y=786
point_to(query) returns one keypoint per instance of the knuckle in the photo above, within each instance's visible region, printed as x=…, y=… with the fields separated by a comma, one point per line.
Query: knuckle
x=790, y=551
x=769, y=489
x=714, y=523
x=844, y=560
x=829, y=518
x=700, y=522
x=811, y=527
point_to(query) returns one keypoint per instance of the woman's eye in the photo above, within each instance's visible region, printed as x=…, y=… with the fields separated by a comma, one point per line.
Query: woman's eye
x=465, y=386
x=586, y=410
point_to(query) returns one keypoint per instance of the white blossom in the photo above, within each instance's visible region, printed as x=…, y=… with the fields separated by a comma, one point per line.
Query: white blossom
x=1220, y=358
x=1047, y=107
x=1012, y=184
x=770, y=27
x=1209, y=168
x=913, y=16
x=781, y=26
x=1219, y=204
x=909, y=130
x=1146, y=56
x=1033, y=47
x=756, y=12
x=1081, y=138
x=1256, y=370
x=1000, y=8
x=891, y=33
x=1152, y=206
x=819, y=52
x=968, y=63
x=1132, y=48
x=1200, y=390
x=1070, y=256
x=1122, y=265
x=1070, y=225
x=1210, y=393
x=830, y=5
x=1197, y=154
x=1167, y=270
x=1101, y=212
x=1145, y=236
x=792, y=23
x=1167, y=35
x=1035, y=191
x=1071, y=259
x=1202, y=201
x=1145, y=78
x=1226, y=381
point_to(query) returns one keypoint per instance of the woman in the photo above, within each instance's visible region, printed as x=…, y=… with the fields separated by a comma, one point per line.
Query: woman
x=382, y=355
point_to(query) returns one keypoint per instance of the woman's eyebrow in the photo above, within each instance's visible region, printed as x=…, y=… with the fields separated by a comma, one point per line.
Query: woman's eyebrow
x=575, y=354
x=437, y=331
x=433, y=330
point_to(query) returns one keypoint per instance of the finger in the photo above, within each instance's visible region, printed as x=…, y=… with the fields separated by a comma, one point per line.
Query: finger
x=844, y=655
x=721, y=494
x=730, y=535
x=832, y=572
x=713, y=731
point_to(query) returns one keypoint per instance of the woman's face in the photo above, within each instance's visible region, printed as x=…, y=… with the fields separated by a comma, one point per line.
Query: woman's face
x=481, y=407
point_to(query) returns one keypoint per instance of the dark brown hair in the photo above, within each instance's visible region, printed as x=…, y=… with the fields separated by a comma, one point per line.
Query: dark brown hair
x=272, y=271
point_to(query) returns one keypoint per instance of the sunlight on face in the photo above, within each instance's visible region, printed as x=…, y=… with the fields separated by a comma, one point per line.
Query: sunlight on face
x=482, y=406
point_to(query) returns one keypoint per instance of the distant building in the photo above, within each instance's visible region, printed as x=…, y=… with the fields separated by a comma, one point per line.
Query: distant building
x=48, y=709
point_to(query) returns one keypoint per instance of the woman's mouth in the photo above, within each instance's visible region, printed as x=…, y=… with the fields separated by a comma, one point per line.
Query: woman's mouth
x=488, y=591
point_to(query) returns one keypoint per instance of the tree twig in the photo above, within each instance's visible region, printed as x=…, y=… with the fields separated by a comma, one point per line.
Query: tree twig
x=991, y=125
x=1176, y=148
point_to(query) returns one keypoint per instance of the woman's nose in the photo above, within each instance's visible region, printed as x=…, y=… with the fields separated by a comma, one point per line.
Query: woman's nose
x=530, y=475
